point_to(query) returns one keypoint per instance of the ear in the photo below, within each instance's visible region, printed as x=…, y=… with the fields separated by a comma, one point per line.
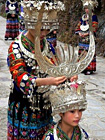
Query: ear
x=61, y=114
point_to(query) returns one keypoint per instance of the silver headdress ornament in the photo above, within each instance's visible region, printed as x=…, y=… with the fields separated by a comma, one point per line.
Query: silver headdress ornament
x=49, y=19
x=68, y=96
x=67, y=61
x=92, y=3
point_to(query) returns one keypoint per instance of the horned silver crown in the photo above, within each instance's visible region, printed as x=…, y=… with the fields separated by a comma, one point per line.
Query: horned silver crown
x=68, y=62
x=49, y=20
x=68, y=96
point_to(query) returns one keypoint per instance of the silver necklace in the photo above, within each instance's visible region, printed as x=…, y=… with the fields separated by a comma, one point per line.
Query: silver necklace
x=85, y=17
x=12, y=2
x=55, y=132
x=29, y=54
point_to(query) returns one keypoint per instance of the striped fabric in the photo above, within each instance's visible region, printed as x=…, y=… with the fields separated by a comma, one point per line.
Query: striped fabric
x=12, y=23
x=12, y=28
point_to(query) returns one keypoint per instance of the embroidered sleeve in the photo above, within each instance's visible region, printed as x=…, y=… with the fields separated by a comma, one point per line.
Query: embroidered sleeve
x=17, y=8
x=6, y=7
x=24, y=80
x=48, y=135
x=94, y=23
x=78, y=27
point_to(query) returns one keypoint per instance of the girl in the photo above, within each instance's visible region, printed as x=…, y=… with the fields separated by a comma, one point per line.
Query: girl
x=68, y=100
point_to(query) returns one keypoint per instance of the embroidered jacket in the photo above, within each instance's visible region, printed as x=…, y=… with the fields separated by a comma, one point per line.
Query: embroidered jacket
x=78, y=134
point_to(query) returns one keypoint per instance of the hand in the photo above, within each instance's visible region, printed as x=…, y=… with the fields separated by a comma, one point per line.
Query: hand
x=86, y=34
x=74, y=78
x=80, y=34
x=56, y=81
x=83, y=34
x=50, y=81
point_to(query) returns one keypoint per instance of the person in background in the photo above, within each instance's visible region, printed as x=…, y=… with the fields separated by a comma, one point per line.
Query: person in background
x=12, y=23
x=29, y=112
x=83, y=31
x=69, y=101
x=51, y=37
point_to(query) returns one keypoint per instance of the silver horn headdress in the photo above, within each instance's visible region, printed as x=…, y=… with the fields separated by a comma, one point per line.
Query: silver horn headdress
x=67, y=96
x=67, y=61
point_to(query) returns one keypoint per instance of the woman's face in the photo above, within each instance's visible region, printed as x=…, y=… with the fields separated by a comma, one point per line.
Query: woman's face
x=86, y=10
x=43, y=33
x=71, y=118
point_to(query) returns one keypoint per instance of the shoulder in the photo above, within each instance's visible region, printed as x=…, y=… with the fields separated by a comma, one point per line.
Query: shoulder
x=16, y=3
x=14, y=44
x=85, y=135
x=49, y=134
x=14, y=49
x=94, y=17
x=7, y=2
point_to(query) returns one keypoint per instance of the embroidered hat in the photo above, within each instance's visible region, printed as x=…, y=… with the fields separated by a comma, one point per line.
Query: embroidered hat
x=68, y=96
x=49, y=20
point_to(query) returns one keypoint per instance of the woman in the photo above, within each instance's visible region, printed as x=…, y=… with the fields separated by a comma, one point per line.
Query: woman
x=24, y=121
x=29, y=112
x=69, y=106
x=12, y=23
x=83, y=31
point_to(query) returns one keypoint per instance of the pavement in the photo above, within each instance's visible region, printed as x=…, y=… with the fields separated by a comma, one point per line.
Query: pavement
x=93, y=119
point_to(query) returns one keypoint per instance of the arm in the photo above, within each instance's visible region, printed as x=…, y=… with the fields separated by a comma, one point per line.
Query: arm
x=6, y=7
x=50, y=81
x=94, y=24
x=78, y=28
x=25, y=81
x=17, y=8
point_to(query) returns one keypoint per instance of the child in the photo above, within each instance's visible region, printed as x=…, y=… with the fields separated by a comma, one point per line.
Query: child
x=68, y=100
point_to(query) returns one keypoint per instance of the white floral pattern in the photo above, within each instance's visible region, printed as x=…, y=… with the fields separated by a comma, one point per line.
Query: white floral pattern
x=48, y=5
